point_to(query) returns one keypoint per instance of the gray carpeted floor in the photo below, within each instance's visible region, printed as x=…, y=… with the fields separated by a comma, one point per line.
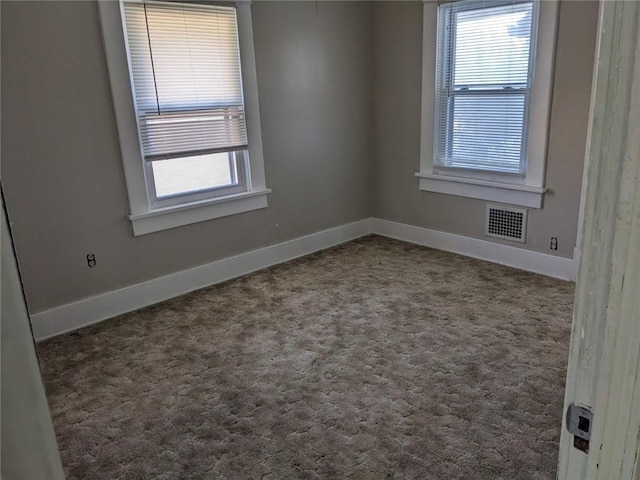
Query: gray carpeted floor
x=372, y=360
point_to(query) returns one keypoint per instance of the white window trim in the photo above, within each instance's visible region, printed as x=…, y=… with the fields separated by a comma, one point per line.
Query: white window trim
x=143, y=217
x=529, y=192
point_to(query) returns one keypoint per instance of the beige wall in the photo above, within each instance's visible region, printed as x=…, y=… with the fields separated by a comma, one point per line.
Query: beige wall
x=339, y=87
x=61, y=165
x=397, y=97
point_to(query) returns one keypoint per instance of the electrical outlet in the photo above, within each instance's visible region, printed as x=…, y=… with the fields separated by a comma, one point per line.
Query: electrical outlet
x=554, y=243
x=91, y=260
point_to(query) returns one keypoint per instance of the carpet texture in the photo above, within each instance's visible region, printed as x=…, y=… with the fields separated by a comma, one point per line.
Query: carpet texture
x=375, y=359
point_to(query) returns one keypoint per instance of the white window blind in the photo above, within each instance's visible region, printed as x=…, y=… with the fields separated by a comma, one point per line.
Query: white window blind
x=483, y=84
x=185, y=68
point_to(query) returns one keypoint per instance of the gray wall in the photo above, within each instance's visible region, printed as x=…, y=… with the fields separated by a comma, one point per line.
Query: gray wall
x=339, y=87
x=61, y=165
x=397, y=96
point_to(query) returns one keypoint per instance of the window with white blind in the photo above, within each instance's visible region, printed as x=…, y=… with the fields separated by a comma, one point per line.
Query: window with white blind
x=487, y=78
x=483, y=82
x=183, y=78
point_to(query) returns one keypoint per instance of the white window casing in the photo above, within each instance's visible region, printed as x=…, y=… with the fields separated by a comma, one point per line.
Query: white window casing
x=525, y=187
x=149, y=212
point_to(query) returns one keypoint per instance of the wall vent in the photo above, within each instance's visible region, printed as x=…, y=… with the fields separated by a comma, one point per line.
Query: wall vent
x=506, y=222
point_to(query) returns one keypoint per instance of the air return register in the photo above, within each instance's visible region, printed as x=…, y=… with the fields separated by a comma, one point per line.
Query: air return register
x=506, y=222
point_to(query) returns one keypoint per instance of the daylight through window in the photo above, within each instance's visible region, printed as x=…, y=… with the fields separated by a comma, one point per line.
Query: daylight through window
x=483, y=84
x=185, y=69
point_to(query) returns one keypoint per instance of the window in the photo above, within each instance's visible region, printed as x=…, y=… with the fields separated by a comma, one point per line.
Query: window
x=489, y=79
x=482, y=86
x=183, y=80
x=185, y=69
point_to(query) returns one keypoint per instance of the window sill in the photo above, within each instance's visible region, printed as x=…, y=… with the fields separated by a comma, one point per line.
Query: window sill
x=178, y=215
x=511, y=194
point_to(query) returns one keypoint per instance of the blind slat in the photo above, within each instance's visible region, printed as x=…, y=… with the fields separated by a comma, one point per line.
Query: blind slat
x=185, y=68
x=483, y=80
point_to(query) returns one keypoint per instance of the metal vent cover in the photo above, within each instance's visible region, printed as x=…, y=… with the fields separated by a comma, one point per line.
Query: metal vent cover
x=506, y=222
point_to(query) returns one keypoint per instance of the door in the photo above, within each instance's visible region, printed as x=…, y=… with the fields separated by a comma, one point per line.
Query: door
x=29, y=448
x=604, y=361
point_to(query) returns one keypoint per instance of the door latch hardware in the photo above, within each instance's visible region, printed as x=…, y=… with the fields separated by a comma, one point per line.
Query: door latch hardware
x=579, y=423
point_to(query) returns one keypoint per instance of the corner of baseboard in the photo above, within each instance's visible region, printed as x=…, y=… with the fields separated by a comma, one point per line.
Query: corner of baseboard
x=87, y=311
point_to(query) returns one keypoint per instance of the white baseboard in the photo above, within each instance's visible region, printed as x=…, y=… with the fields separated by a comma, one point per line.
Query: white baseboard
x=94, y=309
x=557, y=267
x=100, y=307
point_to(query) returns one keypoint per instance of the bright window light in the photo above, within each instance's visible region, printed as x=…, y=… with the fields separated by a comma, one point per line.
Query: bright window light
x=192, y=174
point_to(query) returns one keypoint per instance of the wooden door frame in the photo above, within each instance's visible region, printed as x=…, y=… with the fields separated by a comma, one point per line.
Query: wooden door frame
x=604, y=360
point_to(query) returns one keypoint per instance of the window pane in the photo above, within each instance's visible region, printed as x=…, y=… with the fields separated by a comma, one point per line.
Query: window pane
x=487, y=132
x=492, y=46
x=184, y=56
x=185, y=67
x=190, y=174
